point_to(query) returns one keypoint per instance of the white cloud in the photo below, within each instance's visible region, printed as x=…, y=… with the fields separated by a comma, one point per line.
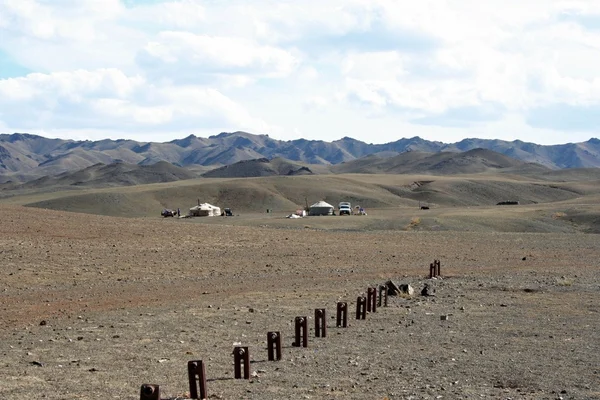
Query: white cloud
x=113, y=101
x=315, y=103
x=58, y=20
x=70, y=85
x=190, y=54
x=184, y=14
x=493, y=58
x=177, y=65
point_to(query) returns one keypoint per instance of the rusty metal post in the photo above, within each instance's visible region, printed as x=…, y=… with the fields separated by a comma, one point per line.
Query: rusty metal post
x=431, y=270
x=241, y=354
x=301, y=331
x=383, y=296
x=274, y=346
x=320, y=323
x=150, y=392
x=438, y=268
x=342, y=315
x=197, y=378
x=361, y=307
x=372, y=300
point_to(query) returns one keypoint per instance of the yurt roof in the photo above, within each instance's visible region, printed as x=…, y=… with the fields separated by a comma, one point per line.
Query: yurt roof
x=204, y=206
x=321, y=204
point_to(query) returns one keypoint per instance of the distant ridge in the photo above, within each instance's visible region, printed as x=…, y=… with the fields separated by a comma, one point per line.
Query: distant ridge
x=31, y=155
x=413, y=162
x=259, y=167
x=443, y=163
x=116, y=174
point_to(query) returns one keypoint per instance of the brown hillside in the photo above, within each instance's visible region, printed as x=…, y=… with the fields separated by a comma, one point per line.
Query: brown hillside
x=116, y=174
x=262, y=167
x=443, y=163
x=288, y=193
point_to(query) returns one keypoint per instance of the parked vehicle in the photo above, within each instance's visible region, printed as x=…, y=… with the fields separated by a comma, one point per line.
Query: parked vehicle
x=168, y=213
x=345, y=208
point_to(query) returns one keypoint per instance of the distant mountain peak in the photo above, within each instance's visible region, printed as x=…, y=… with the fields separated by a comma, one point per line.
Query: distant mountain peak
x=15, y=137
x=42, y=156
x=236, y=133
x=186, y=141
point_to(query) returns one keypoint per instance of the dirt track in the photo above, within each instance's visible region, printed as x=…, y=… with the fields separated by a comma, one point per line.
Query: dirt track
x=130, y=301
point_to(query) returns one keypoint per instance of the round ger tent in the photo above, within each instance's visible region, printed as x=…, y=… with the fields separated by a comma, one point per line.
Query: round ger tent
x=321, y=208
x=205, y=210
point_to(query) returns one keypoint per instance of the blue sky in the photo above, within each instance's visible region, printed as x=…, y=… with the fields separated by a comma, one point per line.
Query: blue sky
x=377, y=71
x=9, y=68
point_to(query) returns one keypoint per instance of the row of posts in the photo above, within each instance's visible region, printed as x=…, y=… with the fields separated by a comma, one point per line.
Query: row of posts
x=241, y=355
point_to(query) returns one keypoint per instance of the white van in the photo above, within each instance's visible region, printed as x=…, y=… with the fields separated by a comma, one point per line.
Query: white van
x=345, y=208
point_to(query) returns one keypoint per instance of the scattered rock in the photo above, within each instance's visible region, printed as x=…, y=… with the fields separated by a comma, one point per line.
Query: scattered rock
x=406, y=289
x=36, y=363
x=392, y=288
x=402, y=289
x=42, y=323
x=428, y=290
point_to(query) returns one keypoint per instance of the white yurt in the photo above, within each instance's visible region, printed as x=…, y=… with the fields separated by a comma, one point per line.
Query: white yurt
x=205, y=210
x=321, y=208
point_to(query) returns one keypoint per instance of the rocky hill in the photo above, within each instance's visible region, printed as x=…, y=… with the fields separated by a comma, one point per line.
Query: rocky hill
x=443, y=163
x=412, y=162
x=25, y=156
x=259, y=167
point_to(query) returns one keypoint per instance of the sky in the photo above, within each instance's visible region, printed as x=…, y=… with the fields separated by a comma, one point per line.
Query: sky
x=376, y=70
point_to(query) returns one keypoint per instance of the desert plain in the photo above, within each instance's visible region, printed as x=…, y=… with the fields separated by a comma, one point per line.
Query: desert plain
x=99, y=294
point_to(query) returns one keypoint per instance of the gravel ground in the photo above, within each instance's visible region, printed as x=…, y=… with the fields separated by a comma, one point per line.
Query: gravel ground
x=92, y=307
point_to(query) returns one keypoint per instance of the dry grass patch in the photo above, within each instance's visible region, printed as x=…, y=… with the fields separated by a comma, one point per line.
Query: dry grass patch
x=565, y=281
x=414, y=222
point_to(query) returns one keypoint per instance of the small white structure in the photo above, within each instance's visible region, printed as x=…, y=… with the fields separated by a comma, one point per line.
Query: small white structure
x=321, y=208
x=205, y=210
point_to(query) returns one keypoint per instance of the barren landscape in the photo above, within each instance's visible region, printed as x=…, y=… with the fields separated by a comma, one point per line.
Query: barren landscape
x=100, y=294
x=94, y=306
x=184, y=181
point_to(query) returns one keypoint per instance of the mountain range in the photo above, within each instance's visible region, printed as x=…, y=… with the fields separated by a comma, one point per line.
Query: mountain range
x=25, y=157
x=412, y=162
